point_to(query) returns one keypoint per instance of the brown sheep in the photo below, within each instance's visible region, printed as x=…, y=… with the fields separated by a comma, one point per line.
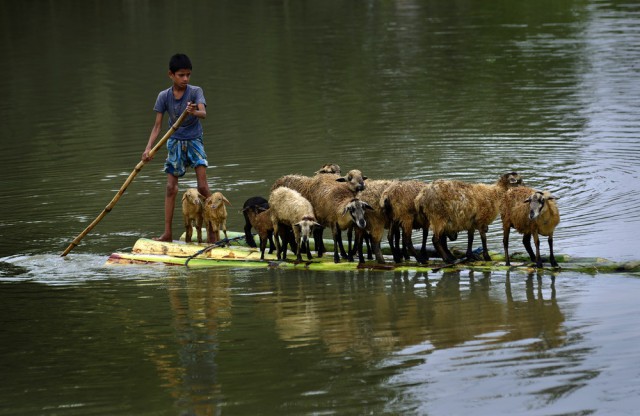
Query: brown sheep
x=192, y=202
x=260, y=218
x=530, y=212
x=215, y=216
x=397, y=201
x=290, y=209
x=452, y=206
x=377, y=221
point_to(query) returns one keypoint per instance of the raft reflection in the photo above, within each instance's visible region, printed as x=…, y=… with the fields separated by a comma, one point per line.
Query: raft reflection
x=320, y=320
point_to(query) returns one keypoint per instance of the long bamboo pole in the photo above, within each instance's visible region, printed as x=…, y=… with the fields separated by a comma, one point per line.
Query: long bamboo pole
x=126, y=183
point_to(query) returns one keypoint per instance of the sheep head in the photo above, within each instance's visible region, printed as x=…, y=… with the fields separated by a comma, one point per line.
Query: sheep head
x=537, y=202
x=356, y=209
x=329, y=168
x=215, y=200
x=354, y=179
x=510, y=180
x=305, y=226
x=193, y=196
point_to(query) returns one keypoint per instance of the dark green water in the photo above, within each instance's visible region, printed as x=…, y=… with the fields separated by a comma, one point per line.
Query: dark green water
x=398, y=89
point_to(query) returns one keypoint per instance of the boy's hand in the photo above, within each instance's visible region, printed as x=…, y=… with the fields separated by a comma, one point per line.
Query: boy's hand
x=145, y=155
x=192, y=108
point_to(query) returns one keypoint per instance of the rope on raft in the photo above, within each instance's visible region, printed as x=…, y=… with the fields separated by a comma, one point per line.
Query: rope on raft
x=212, y=246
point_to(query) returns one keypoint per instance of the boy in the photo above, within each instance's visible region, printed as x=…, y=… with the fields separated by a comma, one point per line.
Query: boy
x=185, y=145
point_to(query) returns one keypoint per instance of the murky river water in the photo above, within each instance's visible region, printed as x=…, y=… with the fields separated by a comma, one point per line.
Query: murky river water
x=399, y=89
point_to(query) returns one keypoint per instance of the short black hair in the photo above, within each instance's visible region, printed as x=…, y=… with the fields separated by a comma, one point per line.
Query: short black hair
x=179, y=61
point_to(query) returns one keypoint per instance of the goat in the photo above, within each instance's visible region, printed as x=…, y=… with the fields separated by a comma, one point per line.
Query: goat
x=192, y=213
x=215, y=216
x=290, y=209
x=449, y=206
x=530, y=212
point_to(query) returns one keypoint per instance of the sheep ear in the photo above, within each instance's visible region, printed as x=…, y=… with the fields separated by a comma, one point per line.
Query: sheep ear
x=261, y=208
x=341, y=179
x=527, y=200
x=552, y=197
x=364, y=178
x=367, y=206
x=317, y=224
x=297, y=225
x=226, y=201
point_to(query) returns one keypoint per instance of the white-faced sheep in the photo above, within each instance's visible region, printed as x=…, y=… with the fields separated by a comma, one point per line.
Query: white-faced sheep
x=290, y=209
x=530, y=212
x=192, y=202
x=215, y=216
x=397, y=201
x=449, y=206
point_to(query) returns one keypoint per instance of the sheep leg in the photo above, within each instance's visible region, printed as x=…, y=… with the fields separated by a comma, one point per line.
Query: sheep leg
x=271, y=243
x=408, y=244
x=247, y=231
x=276, y=235
x=296, y=233
x=469, y=254
x=307, y=244
x=336, y=236
x=483, y=238
x=505, y=244
x=552, y=258
x=198, y=229
x=358, y=244
x=445, y=246
x=437, y=243
x=317, y=239
x=188, y=230
x=369, y=242
x=526, y=240
x=536, y=241
x=263, y=246
x=393, y=236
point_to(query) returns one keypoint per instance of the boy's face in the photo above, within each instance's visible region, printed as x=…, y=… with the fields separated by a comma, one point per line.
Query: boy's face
x=180, y=78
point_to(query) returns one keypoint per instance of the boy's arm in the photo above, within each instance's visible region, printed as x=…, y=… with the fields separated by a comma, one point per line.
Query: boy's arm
x=155, y=131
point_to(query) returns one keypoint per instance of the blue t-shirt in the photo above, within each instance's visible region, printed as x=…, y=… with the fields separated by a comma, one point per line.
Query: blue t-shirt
x=190, y=127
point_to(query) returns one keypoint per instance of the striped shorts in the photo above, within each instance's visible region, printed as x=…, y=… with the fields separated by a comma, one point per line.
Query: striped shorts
x=184, y=153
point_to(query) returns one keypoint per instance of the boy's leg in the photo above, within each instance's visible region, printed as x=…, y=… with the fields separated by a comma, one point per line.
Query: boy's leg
x=201, y=176
x=169, y=206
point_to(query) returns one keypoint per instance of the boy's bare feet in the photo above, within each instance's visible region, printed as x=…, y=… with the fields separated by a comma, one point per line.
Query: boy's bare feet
x=164, y=237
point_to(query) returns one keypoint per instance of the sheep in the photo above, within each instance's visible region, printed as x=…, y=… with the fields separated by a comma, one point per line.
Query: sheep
x=290, y=209
x=247, y=207
x=215, y=216
x=376, y=219
x=192, y=213
x=259, y=218
x=397, y=201
x=451, y=206
x=332, y=199
x=529, y=212
x=329, y=168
